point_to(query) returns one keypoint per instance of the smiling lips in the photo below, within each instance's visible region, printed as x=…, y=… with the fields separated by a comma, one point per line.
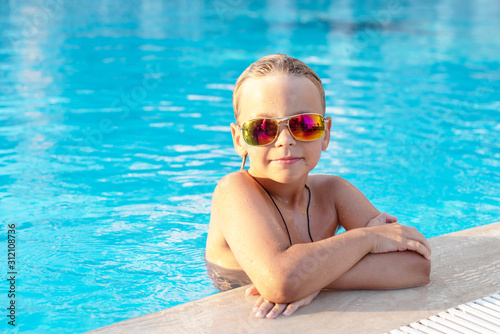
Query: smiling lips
x=286, y=160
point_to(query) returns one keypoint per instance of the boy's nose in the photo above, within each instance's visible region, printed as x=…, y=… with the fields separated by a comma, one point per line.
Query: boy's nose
x=285, y=138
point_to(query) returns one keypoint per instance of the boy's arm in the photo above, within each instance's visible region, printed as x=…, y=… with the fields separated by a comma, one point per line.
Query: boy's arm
x=375, y=271
x=354, y=210
x=385, y=271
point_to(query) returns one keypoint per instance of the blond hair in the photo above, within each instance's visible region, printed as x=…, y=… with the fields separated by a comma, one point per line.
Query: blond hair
x=276, y=64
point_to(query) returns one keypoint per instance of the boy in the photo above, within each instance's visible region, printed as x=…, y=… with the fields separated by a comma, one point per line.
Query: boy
x=274, y=225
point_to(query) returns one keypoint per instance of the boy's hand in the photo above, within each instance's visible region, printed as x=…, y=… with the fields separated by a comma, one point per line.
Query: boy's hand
x=395, y=237
x=382, y=219
x=264, y=308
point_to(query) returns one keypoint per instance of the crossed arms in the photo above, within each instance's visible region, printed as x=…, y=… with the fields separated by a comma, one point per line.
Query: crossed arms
x=374, y=253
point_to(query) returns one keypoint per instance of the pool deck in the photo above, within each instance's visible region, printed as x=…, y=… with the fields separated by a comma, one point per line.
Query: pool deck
x=465, y=267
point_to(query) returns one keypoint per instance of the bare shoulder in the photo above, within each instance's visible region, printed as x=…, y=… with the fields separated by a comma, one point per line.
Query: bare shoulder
x=233, y=180
x=333, y=183
x=329, y=185
x=233, y=186
x=237, y=197
x=227, y=199
x=243, y=231
x=227, y=192
x=353, y=208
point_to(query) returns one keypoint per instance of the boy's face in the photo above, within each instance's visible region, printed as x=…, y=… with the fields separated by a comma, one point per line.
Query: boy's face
x=286, y=159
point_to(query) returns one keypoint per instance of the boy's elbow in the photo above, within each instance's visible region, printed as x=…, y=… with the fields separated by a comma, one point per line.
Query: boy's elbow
x=279, y=289
x=427, y=271
x=277, y=295
x=423, y=271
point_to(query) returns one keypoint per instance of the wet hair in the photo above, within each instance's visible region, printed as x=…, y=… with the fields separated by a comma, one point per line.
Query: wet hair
x=276, y=64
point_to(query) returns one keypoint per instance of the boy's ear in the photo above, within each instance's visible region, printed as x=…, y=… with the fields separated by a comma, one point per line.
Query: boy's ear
x=326, y=137
x=238, y=141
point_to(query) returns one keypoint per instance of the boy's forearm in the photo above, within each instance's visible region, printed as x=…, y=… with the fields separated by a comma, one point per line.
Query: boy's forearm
x=310, y=267
x=385, y=271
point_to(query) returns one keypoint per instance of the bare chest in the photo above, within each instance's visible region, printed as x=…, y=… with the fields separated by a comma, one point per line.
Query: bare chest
x=303, y=225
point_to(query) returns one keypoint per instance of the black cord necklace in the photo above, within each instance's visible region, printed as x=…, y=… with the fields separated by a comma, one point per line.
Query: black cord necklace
x=286, y=227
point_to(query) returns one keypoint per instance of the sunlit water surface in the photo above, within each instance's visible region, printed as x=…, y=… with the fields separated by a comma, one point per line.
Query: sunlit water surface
x=114, y=130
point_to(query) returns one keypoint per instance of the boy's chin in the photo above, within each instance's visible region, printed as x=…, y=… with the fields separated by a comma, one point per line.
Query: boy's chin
x=287, y=177
x=282, y=173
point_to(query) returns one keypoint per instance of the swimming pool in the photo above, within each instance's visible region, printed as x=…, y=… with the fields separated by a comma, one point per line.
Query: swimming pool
x=114, y=130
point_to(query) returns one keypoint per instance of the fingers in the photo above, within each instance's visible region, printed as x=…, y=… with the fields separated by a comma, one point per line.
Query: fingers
x=419, y=244
x=426, y=248
x=252, y=291
x=276, y=310
x=397, y=237
x=382, y=219
x=268, y=309
x=419, y=248
x=292, y=307
x=387, y=218
x=391, y=219
x=257, y=305
x=264, y=308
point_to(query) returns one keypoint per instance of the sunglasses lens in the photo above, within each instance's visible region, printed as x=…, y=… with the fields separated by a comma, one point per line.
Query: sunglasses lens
x=307, y=127
x=260, y=131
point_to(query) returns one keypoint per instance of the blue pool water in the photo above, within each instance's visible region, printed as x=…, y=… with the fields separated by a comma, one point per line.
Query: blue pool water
x=114, y=130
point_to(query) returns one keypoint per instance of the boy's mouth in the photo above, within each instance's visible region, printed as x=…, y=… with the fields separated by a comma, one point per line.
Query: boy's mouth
x=286, y=160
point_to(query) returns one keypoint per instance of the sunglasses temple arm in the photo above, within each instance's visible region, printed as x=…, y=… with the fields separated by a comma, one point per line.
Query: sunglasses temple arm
x=243, y=162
